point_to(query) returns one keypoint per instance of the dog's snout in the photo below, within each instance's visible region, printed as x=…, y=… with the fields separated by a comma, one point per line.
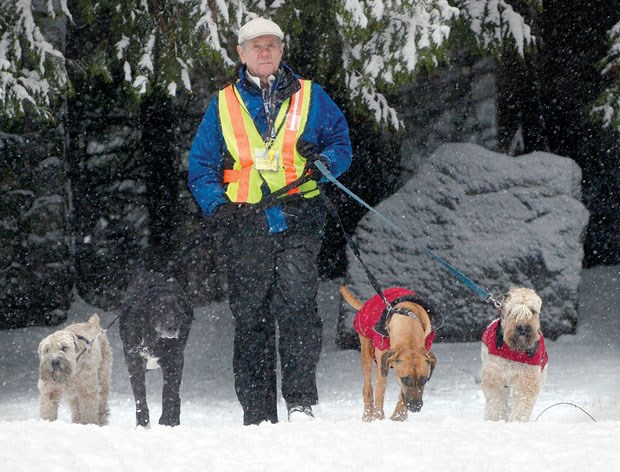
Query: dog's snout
x=55, y=363
x=415, y=406
x=167, y=331
x=412, y=397
x=523, y=330
x=522, y=337
x=169, y=334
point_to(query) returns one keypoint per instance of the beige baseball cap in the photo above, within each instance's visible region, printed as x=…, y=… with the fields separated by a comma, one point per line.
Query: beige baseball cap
x=258, y=27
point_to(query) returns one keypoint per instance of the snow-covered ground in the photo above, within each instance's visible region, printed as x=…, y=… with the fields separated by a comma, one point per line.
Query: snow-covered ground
x=448, y=435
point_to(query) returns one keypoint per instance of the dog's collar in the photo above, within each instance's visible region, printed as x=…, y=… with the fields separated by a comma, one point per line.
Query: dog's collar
x=381, y=325
x=89, y=344
x=403, y=311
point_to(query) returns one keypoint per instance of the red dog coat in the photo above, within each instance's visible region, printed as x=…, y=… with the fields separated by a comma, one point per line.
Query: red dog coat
x=367, y=317
x=539, y=357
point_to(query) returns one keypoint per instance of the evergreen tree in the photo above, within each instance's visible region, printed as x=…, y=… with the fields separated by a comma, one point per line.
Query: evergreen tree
x=607, y=107
x=157, y=44
x=32, y=68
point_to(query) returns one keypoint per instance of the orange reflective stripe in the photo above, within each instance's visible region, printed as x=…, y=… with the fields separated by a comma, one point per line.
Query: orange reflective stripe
x=290, y=137
x=243, y=140
x=231, y=175
x=243, y=144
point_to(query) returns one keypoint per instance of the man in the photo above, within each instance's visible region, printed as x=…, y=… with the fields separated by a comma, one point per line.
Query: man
x=251, y=169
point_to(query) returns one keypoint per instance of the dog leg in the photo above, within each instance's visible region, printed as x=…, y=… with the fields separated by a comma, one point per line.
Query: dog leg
x=105, y=379
x=172, y=371
x=103, y=411
x=84, y=407
x=400, y=412
x=74, y=406
x=49, y=401
x=525, y=392
x=366, y=357
x=496, y=393
x=137, y=378
x=380, y=384
x=494, y=386
x=522, y=407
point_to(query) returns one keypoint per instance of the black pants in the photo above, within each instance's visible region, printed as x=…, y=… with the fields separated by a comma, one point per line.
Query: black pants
x=273, y=278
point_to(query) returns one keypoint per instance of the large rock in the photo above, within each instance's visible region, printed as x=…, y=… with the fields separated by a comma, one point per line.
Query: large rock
x=500, y=220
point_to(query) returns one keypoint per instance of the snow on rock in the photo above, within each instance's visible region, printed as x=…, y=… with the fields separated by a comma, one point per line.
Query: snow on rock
x=500, y=220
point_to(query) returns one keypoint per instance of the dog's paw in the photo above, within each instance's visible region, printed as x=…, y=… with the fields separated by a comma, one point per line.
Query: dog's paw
x=378, y=415
x=399, y=416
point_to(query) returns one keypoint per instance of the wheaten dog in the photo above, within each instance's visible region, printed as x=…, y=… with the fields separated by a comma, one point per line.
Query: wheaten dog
x=514, y=358
x=76, y=362
x=405, y=346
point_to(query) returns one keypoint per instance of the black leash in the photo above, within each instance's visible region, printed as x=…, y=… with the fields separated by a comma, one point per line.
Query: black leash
x=356, y=251
x=390, y=307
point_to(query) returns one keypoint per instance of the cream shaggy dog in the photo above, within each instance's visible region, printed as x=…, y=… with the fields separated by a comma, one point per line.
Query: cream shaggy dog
x=76, y=362
x=514, y=358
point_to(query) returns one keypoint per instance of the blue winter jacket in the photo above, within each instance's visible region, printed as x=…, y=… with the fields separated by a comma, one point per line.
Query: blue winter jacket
x=326, y=127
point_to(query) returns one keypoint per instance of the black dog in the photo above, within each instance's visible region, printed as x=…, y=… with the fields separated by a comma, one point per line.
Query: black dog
x=156, y=317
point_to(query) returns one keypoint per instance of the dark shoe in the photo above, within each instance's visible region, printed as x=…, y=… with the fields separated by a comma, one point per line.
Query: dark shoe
x=300, y=414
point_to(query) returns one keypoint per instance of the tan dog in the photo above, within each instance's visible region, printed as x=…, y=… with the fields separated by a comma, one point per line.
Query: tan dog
x=409, y=339
x=514, y=358
x=76, y=362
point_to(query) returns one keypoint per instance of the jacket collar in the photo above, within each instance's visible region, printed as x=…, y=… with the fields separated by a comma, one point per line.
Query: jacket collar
x=285, y=86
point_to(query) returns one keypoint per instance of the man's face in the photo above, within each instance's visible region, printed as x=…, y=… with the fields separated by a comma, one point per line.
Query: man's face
x=261, y=55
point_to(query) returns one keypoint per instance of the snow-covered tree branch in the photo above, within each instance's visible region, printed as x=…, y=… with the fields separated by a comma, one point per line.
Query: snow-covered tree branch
x=157, y=43
x=387, y=41
x=607, y=107
x=32, y=69
x=495, y=23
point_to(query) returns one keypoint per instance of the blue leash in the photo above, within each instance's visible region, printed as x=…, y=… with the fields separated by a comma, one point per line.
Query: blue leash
x=486, y=296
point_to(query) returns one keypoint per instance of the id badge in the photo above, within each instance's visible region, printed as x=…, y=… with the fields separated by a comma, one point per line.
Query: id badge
x=266, y=159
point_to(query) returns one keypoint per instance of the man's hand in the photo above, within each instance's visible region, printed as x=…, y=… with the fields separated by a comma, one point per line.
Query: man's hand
x=311, y=153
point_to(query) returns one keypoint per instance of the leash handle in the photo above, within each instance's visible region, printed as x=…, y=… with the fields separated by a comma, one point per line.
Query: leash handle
x=486, y=296
x=280, y=194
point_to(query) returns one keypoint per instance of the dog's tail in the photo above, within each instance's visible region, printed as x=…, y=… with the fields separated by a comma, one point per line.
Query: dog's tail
x=350, y=298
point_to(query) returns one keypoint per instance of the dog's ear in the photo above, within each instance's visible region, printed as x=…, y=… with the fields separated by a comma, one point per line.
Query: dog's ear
x=386, y=362
x=94, y=319
x=499, y=335
x=432, y=360
x=40, y=349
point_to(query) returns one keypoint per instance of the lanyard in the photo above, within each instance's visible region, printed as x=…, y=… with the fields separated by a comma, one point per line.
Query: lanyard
x=269, y=106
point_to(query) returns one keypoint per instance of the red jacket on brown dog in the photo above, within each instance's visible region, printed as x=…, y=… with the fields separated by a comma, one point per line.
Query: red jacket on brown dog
x=406, y=349
x=370, y=313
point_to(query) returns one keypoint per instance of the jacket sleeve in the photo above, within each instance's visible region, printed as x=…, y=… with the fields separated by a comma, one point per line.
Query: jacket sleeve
x=205, y=167
x=328, y=129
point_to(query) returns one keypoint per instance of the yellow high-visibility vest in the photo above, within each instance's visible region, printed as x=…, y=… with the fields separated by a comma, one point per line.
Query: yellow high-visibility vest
x=244, y=141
